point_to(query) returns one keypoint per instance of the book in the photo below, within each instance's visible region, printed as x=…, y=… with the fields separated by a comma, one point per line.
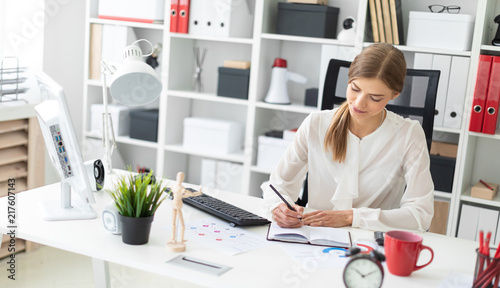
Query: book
x=95, y=51
x=397, y=22
x=380, y=20
x=386, y=15
x=322, y=236
x=373, y=20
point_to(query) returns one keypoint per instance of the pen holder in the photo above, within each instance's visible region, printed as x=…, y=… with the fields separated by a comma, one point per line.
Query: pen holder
x=487, y=270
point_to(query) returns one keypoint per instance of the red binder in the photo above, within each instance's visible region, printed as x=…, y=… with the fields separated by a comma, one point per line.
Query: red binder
x=174, y=15
x=492, y=99
x=183, y=16
x=480, y=93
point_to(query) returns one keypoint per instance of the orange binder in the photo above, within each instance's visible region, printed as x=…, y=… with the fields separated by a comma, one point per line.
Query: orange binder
x=174, y=15
x=480, y=93
x=492, y=99
x=183, y=16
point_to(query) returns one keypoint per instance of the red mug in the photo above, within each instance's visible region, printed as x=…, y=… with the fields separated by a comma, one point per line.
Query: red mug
x=402, y=250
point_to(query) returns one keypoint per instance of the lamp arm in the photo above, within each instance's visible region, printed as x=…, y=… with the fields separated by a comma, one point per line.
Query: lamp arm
x=106, y=119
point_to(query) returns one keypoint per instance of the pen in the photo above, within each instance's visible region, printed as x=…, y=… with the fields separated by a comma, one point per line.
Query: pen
x=282, y=199
x=485, y=184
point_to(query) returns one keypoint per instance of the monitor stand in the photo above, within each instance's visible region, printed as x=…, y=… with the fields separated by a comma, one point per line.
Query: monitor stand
x=53, y=210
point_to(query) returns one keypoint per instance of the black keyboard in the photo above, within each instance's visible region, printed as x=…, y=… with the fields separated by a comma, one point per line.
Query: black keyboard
x=235, y=215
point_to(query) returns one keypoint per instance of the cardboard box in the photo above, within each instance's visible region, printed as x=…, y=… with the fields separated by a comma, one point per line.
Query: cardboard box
x=481, y=191
x=307, y=20
x=120, y=116
x=147, y=11
x=233, y=82
x=144, y=124
x=212, y=135
x=270, y=151
x=320, y=2
x=444, y=149
x=440, y=30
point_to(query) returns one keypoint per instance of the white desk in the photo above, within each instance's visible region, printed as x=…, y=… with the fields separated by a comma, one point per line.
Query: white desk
x=266, y=267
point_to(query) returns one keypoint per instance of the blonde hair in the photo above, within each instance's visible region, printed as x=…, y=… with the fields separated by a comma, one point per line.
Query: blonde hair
x=381, y=61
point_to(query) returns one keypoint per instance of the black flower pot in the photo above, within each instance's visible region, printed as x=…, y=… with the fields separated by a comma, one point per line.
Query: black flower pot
x=135, y=231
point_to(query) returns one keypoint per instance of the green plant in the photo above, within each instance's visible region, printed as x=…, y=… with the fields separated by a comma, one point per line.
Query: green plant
x=133, y=198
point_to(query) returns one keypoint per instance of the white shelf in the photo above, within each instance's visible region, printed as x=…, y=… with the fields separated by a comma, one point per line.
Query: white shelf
x=126, y=140
x=212, y=38
x=483, y=135
x=466, y=196
x=233, y=157
x=428, y=50
x=443, y=195
x=294, y=107
x=127, y=23
x=206, y=97
x=447, y=130
x=291, y=38
x=490, y=48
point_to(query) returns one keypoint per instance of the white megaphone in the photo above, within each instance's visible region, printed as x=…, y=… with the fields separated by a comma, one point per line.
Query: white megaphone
x=278, y=92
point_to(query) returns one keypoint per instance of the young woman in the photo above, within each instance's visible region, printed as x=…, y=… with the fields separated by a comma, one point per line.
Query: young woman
x=367, y=167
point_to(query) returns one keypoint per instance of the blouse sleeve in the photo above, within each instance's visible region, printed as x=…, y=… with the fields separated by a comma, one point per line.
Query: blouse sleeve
x=417, y=204
x=289, y=174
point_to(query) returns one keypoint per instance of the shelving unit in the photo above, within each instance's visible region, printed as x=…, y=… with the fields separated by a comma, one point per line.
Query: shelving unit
x=178, y=101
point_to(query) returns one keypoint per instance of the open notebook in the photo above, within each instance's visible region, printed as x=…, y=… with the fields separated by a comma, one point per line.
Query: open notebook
x=324, y=236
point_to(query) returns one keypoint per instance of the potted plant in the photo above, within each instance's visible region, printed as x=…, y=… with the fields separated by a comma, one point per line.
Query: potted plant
x=137, y=198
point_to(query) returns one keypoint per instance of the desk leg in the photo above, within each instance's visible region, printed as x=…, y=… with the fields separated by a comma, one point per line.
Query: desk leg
x=101, y=273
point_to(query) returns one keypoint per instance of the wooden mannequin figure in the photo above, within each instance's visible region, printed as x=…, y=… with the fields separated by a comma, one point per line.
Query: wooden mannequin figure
x=179, y=192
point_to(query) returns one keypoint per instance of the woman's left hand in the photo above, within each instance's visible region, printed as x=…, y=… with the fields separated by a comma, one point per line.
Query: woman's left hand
x=328, y=218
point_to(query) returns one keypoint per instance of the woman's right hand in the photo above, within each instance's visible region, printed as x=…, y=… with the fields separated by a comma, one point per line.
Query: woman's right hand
x=287, y=218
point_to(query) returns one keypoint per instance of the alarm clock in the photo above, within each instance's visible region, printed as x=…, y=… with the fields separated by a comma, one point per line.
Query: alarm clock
x=364, y=270
x=110, y=219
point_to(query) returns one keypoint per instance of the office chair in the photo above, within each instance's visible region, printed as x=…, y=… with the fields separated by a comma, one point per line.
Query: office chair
x=417, y=100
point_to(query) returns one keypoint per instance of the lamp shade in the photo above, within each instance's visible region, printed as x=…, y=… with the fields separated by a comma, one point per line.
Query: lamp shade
x=135, y=82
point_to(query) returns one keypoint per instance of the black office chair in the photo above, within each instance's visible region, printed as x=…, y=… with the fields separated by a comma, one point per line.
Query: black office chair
x=417, y=100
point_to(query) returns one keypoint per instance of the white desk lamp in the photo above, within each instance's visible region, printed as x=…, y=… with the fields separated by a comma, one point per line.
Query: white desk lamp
x=134, y=83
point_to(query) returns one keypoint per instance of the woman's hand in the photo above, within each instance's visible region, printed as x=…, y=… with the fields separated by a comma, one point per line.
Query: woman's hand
x=287, y=218
x=328, y=218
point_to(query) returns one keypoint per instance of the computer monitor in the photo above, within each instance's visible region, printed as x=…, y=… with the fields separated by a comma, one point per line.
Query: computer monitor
x=63, y=150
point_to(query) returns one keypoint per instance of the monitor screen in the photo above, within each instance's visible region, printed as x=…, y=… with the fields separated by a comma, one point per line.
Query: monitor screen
x=60, y=141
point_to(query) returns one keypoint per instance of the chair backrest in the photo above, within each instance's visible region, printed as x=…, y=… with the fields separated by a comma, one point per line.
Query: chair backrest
x=417, y=100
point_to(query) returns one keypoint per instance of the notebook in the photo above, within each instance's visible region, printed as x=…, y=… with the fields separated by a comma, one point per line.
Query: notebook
x=323, y=236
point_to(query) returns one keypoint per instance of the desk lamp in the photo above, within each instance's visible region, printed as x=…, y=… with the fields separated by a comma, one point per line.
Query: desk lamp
x=133, y=83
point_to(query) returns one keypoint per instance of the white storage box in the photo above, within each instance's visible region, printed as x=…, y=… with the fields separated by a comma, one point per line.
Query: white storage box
x=147, y=11
x=440, y=30
x=270, y=151
x=223, y=18
x=120, y=116
x=221, y=175
x=213, y=136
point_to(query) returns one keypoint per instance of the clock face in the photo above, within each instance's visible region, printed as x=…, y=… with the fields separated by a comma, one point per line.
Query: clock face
x=363, y=272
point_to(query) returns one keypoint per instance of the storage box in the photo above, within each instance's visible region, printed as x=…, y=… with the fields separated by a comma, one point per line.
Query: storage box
x=481, y=191
x=147, y=11
x=444, y=149
x=440, y=30
x=228, y=18
x=442, y=172
x=212, y=135
x=144, y=124
x=120, y=117
x=233, y=82
x=222, y=175
x=307, y=20
x=270, y=151
x=320, y=2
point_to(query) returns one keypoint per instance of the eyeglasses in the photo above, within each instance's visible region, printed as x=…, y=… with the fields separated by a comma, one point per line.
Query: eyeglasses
x=452, y=9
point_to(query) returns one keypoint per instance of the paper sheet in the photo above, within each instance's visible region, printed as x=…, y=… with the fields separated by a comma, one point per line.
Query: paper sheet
x=219, y=235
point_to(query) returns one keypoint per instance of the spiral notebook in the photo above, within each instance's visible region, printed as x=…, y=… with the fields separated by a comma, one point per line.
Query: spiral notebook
x=323, y=236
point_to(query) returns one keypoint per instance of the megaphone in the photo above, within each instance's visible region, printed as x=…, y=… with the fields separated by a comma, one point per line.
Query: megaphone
x=278, y=92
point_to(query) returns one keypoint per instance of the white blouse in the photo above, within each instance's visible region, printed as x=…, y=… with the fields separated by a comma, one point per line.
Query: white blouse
x=372, y=179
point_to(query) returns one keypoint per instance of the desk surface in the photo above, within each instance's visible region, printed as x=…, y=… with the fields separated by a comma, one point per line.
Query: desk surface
x=270, y=266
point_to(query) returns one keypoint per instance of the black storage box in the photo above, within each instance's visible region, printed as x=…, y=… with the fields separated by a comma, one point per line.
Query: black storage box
x=442, y=171
x=144, y=124
x=307, y=20
x=233, y=82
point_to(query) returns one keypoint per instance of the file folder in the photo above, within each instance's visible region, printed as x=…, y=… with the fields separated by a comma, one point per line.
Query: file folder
x=480, y=93
x=174, y=15
x=443, y=64
x=492, y=98
x=454, y=109
x=183, y=25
